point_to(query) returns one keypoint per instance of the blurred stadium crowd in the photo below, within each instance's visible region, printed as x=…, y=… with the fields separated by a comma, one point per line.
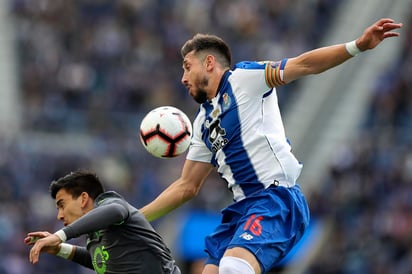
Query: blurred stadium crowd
x=90, y=70
x=367, y=195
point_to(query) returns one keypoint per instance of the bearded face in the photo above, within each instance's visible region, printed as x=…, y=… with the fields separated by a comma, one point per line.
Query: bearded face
x=199, y=93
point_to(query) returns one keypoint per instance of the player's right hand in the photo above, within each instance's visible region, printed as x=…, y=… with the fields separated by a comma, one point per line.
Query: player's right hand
x=33, y=237
x=373, y=35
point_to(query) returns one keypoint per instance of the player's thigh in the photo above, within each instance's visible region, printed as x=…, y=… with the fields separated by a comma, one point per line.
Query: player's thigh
x=246, y=255
x=210, y=269
x=238, y=252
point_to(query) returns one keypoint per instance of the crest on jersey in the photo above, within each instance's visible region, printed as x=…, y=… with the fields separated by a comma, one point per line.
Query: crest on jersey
x=226, y=101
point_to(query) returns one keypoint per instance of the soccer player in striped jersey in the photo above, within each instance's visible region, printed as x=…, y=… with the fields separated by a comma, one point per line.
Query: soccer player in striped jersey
x=239, y=131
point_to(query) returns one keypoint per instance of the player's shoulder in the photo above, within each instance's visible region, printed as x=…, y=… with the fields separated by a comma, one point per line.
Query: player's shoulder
x=109, y=197
x=251, y=65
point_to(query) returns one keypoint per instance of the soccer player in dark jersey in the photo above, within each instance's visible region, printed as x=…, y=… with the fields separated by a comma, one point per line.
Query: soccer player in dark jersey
x=119, y=238
x=239, y=131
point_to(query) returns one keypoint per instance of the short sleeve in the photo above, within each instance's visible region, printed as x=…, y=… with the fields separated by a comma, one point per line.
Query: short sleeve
x=198, y=151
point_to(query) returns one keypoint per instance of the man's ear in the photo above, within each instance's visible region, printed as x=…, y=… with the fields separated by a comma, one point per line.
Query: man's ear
x=85, y=199
x=210, y=62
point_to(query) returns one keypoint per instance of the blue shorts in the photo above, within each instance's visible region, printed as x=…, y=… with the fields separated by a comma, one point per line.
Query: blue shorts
x=268, y=224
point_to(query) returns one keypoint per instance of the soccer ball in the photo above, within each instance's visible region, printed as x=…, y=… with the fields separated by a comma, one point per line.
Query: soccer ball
x=166, y=132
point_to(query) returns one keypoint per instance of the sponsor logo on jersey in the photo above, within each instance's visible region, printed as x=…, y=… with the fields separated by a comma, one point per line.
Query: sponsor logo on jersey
x=216, y=135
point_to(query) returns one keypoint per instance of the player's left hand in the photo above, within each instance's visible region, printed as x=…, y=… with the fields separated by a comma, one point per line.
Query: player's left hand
x=49, y=244
x=376, y=33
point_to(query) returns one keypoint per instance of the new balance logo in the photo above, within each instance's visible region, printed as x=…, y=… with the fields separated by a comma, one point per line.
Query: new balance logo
x=246, y=236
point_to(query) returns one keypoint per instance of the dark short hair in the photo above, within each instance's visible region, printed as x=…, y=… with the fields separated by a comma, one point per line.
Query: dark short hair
x=77, y=182
x=207, y=42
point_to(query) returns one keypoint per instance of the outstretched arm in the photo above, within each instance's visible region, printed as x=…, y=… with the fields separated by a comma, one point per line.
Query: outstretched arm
x=74, y=253
x=94, y=220
x=50, y=243
x=322, y=59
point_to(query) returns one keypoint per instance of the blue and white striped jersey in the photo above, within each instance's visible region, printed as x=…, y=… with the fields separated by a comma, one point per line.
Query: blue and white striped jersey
x=240, y=131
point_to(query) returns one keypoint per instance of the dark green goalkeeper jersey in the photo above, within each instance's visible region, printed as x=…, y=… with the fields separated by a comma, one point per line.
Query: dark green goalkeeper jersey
x=120, y=240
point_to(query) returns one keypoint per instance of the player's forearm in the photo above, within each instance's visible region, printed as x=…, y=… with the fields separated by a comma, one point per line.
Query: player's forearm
x=193, y=176
x=98, y=218
x=77, y=254
x=316, y=61
x=171, y=198
x=325, y=58
x=319, y=60
x=81, y=256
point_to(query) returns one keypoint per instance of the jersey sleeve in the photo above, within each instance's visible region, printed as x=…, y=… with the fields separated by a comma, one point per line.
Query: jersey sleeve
x=98, y=218
x=198, y=151
x=260, y=76
x=82, y=257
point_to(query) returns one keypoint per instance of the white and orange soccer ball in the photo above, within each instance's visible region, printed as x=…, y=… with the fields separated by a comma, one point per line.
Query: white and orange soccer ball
x=166, y=132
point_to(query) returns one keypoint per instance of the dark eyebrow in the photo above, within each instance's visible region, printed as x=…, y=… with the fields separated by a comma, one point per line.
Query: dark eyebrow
x=59, y=202
x=186, y=63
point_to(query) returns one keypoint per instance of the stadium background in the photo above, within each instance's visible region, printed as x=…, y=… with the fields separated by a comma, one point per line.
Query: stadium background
x=78, y=76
